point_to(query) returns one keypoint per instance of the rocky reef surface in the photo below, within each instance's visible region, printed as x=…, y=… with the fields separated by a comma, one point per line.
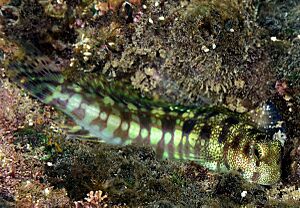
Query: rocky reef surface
x=238, y=54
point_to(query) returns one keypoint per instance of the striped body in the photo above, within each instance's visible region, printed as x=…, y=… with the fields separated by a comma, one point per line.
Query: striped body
x=216, y=138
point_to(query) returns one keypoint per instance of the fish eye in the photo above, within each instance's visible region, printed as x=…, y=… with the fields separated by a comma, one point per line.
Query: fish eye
x=257, y=153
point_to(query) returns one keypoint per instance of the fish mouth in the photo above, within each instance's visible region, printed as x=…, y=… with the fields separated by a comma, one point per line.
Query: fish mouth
x=267, y=177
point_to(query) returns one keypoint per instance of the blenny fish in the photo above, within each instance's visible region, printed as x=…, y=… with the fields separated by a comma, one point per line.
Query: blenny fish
x=214, y=137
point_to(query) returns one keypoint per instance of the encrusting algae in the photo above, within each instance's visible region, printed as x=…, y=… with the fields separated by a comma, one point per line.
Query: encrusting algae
x=216, y=138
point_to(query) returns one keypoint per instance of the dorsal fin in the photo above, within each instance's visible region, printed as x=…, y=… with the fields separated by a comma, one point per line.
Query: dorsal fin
x=267, y=118
x=122, y=91
x=35, y=72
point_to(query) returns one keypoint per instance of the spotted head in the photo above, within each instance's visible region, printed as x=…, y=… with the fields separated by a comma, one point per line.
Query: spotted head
x=256, y=156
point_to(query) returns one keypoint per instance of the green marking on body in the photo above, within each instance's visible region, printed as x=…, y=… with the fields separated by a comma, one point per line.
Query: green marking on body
x=165, y=155
x=76, y=88
x=91, y=112
x=124, y=126
x=134, y=130
x=184, y=140
x=74, y=102
x=153, y=119
x=107, y=134
x=177, y=138
x=144, y=133
x=117, y=140
x=155, y=135
x=58, y=88
x=108, y=101
x=192, y=139
x=135, y=118
x=158, y=112
x=167, y=138
x=175, y=114
x=115, y=111
x=192, y=155
x=176, y=155
x=158, y=123
x=113, y=122
x=143, y=109
x=103, y=115
x=56, y=95
x=184, y=143
x=188, y=114
x=132, y=107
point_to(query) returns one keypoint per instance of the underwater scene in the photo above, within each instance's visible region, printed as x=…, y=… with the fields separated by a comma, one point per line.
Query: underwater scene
x=149, y=103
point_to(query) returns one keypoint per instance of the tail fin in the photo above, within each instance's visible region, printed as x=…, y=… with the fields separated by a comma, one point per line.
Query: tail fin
x=36, y=73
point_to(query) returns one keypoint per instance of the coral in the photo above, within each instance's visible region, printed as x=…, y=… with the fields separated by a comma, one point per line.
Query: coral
x=93, y=200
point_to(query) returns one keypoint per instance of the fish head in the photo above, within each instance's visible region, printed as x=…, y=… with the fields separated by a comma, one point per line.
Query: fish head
x=258, y=160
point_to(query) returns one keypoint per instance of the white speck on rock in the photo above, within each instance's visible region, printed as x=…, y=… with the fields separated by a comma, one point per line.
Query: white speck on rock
x=161, y=18
x=47, y=191
x=205, y=49
x=87, y=53
x=243, y=194
x=49, y=164
x=274, y=39
x=150, y=21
